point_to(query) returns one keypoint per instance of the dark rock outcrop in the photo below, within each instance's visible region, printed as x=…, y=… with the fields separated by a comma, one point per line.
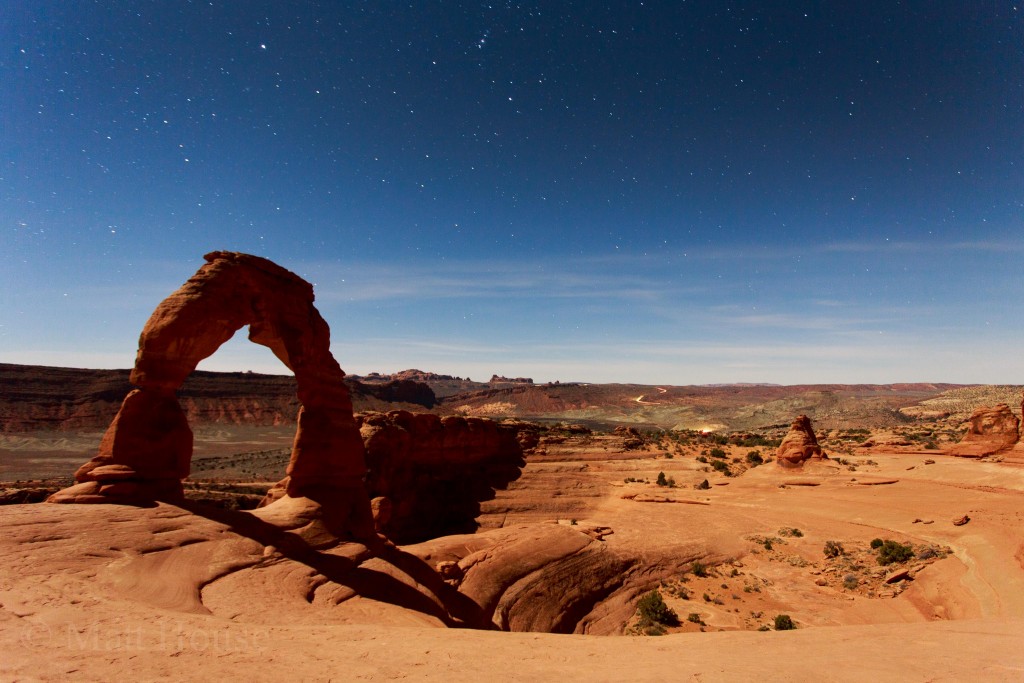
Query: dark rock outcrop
x=403, y=391
x=436, y=471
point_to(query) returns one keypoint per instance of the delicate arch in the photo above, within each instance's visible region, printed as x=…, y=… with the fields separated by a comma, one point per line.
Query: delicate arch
x=147, y=449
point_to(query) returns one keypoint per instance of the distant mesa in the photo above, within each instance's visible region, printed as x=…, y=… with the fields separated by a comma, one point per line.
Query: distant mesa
x=799, y=445
x=991, y=431
x=147, y=450
x=498, y=379
x=399, y=391
x=411, y=374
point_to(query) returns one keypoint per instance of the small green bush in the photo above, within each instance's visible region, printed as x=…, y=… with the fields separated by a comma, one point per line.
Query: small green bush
x=717, y=453
x=892, y=552
x=755, y=458
x=876, y=543
x=792, y=532
x=703, y=486
x=653, y=611
x=661, y=481
x=834, y=549
x=783, y=622
x=720, y=466
x=694, y=618
x=699, y=569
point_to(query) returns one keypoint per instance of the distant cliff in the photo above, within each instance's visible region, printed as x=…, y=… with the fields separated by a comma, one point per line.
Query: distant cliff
x=38, y=398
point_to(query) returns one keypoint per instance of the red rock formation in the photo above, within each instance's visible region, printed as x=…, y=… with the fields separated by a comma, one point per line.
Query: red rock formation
x=501, y=379
x=992, y=430
x=429, y=474
x=799, y=445
x=147, y=448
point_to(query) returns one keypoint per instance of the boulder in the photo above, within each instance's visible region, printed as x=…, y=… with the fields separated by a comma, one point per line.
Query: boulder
x=992, y=430
x=799, y=445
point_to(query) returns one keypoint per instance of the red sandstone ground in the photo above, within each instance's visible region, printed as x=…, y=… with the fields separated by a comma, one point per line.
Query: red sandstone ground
x=98, y=592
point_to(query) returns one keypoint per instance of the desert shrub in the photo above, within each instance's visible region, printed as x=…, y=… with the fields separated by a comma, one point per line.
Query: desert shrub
x=791, y=531
x=752, y=440
x=927, y=554
x=661, y=481
x=876, y=543
x=694, y=618
x=653, y=611
x=764, y=627
x=720, y=466
x=892, y=552
x=930, y=445
x=716, y=453
x=767, y=543
x=701, y=458
x=834, y=549
x=850, y=581
x=783, y=622
x=703, y=486
x=755, y=458
x=699, y=569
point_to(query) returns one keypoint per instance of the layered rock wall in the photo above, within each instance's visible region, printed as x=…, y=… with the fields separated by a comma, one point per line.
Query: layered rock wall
x=436, y=471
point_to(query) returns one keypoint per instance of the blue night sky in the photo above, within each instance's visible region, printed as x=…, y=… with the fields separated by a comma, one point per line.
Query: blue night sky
x=656, y=192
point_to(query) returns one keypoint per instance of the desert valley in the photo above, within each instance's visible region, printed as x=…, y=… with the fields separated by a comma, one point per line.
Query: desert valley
x=428, y=527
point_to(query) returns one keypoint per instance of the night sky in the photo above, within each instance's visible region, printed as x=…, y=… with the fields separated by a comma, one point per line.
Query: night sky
x=656, y=192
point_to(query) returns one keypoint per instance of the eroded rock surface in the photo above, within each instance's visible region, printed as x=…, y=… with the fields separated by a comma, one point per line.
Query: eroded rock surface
x=147, y=448
x=799, y=445
x=992, y=430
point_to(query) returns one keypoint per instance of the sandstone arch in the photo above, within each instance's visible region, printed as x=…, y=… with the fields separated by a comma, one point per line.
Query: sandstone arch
x=147, y=450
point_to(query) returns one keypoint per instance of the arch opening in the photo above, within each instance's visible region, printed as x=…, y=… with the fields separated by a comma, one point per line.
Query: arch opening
x=147, y=449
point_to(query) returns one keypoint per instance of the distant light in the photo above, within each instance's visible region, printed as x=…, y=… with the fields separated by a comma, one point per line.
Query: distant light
x=263, y=46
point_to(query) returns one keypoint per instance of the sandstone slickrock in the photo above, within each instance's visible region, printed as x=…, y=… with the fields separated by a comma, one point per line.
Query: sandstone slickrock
x=548, y=577
x=429, y=474
x=799, y=445
x=147, y=448
x=992, y=430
